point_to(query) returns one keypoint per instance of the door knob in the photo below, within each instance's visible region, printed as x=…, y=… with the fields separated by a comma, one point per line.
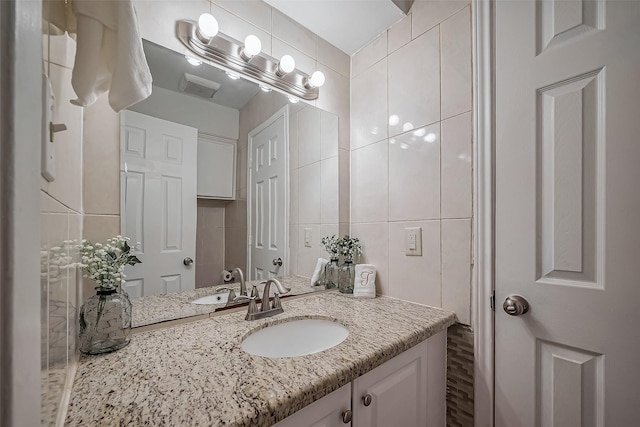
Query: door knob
x=277, y=262
x=347, y=416
x=187, y=261
x=515, y=305
x=366, y=399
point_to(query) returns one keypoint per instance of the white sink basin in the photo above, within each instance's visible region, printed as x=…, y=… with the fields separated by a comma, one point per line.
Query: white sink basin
x=220, y=298
x=295, y=338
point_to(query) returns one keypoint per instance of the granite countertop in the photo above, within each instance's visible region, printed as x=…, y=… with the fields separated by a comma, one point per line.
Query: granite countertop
x=162, y=308
x=197, y=374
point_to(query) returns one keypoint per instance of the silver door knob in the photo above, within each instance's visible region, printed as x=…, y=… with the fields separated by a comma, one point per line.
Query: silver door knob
x=515, y=305
x=347, y=416
x=277, y=262
x=187, y=261
x=366, y=400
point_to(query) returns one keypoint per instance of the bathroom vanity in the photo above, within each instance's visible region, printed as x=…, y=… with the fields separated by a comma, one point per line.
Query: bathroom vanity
x=390, y=368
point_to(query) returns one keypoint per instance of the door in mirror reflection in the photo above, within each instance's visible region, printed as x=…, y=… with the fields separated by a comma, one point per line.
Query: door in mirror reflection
x=158, y=202
x=267, y=192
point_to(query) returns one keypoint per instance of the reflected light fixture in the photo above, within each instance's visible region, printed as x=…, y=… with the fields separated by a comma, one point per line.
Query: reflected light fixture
x=232, y=76
x=420, y=132
x=407, y=127
x=252, y=47
x=192, y=60
x=431, y=137
x=265, y=88
x=207, y=27
x=293, y=100
x=316, y=79
x=286, y=65
x=394, y=120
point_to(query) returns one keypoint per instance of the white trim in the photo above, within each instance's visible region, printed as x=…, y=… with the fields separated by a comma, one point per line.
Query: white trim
x=483, y=222
x=21, y=135
x=283, y=112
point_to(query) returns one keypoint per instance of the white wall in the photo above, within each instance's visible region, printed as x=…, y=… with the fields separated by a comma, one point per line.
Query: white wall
x=191, y=111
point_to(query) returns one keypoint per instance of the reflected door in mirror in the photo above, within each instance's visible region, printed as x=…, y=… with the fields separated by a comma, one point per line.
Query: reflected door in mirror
x=158, y=202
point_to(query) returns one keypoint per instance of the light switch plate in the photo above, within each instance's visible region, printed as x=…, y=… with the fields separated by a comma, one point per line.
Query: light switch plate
x=307, y=237
x=413, y=241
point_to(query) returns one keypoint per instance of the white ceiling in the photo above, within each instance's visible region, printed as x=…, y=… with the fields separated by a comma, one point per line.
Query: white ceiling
x=347, y=24
x=167, y=68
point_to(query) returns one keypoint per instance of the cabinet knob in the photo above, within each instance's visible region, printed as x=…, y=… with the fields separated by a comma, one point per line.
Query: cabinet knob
x=366, y=399
x=347, y=416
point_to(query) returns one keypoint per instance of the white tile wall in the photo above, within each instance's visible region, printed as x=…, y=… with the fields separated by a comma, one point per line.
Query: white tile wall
x=411, y=154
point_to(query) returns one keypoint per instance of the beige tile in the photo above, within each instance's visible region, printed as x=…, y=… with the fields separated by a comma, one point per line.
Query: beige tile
x=456, y=163
x=329, y=190
x=308, y=256
x=374, y=238
x=237, y=28
x=373, y=52
x=334, y=98
x=414, y=84
x=369, y=106
x=309, y=191
x=414, y=175
x=101, y=159
x=309, y=138
x=333, y=57
x=415, y=278
x=344, y=228
x=294, y=194
x=370, y=183
x=295, y=34
x=328, y=135
x=456, y=63
x=67, y=186
x=62, y=50
x=293, y=249
x=304, y=62
x=98, y=228
x=426, y=14
x=256, y=12
x=235, y=247
x=399, y=34
x=344, y=182
x=293, y=141
x=157, y=19
x=456, y=268
x=242, y=171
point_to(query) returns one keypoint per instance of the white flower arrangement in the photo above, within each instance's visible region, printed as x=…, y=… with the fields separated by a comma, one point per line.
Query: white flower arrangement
x=104, y=263
x=350, y=247
x=331, y=245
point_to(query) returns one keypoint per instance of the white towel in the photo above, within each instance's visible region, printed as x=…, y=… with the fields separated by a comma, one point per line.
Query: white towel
x=109, y=55
x=365, y=283
x=318, y=272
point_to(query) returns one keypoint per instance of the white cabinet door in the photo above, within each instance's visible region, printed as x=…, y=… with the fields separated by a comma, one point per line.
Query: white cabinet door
x=216, y=168
x=409, y=390
x=158, y=202
x=326, y=412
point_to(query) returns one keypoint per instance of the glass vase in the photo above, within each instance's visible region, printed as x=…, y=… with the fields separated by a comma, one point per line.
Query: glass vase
x=105, y=322
x=346, y=277
x=331, y=274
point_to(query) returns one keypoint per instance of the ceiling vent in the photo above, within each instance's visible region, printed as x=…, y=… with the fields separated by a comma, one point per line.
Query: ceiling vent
x=198, y=86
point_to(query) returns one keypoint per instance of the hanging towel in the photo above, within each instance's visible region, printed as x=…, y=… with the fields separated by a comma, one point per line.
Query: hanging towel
x=318, y=272
x=109, y=55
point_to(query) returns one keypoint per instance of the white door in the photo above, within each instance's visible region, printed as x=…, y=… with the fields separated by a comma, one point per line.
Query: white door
x=567, y=211
x=267, y=192
x=158, y=202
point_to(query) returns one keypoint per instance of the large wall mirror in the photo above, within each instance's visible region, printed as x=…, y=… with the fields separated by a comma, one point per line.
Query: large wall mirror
x=218, y=173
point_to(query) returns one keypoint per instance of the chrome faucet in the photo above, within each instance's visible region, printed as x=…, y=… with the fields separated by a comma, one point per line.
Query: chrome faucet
x=266, y=310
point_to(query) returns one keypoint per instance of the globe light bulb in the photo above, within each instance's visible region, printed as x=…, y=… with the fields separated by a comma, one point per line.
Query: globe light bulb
x=431, y=137
x=207, y=27
x=286, y=65
x=252, y=46
x=316, y=79
x=394, y=120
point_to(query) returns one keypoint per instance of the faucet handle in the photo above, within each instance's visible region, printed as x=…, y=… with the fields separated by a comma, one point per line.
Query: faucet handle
x=276, y=301
x=232, y=292
x=254, y=291
x=253, y=307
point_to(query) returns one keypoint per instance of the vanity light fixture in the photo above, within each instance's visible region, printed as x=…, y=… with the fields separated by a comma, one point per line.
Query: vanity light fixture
x=246, y=60
x=207, y=27
x=252, y=47
x=286, y=65
x=316, y=79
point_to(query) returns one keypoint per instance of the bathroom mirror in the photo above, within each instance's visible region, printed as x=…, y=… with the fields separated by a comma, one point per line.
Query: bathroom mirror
x=192, y=198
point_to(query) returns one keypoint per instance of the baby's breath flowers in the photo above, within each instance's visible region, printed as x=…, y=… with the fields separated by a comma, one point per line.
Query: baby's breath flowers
x=104, y=263
x=350, y=247
x=331, y=245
